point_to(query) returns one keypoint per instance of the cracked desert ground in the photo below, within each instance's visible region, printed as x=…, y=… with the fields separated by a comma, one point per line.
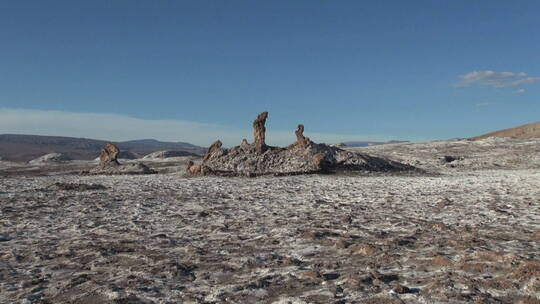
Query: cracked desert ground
x=466, y=231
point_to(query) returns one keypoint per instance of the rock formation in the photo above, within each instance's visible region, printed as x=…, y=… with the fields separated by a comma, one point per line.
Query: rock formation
x=302, y=157
x=301, y=140
x=259, y=132
x=216, y=146
x=109, y=165
x=109, y=155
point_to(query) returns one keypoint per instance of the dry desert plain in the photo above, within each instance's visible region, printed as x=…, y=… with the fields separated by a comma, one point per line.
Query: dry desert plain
x=467, y=230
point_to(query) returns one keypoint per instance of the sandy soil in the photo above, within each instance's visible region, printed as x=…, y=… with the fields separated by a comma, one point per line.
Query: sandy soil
x=462, y=236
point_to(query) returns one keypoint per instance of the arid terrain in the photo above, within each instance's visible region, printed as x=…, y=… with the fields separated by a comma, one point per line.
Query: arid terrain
x=464, y=230
x=531, y=130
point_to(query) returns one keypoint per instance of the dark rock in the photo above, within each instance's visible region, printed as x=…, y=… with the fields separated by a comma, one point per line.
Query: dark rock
x=75, y=187
x=401, y=289
x=203, y=214
x=450, y=158
x=5, y=237
x=330, y=276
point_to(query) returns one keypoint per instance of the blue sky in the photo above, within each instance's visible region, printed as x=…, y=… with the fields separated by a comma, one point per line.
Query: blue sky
x=416, y=70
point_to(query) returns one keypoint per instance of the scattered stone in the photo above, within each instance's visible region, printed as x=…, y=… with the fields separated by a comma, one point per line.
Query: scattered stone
x=302, y=157
x=450, y=158
x=121, y=169
x=401, y=289
x=441, y=261
x=526, y=271
x=363, y=249
x=75, y=187
x=310, y=275
x=135, y=168
x=341, y=243
x=330, y=276
x=385, y=278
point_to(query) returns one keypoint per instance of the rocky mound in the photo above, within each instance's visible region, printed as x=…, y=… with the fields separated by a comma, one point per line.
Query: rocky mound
x=50, y=158
x=302, y=157
x=109, y=164
x=167, y=154
x=128, y=169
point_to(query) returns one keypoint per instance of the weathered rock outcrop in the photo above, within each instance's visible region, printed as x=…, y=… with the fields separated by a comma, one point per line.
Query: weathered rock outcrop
x=109, y=155
x=109, y=164
x=302, y=157
x=301, y=140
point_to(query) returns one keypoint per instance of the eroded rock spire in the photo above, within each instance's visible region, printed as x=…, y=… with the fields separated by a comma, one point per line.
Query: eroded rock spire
x=301, y=140
x=259, y=131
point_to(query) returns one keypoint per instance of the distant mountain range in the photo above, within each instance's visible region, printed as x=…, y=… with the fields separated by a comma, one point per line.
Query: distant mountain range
x=531, y=130
x=16, y=147
x=371, y=143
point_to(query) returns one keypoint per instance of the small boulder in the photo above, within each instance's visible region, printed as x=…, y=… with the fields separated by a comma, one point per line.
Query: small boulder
x=450, y=158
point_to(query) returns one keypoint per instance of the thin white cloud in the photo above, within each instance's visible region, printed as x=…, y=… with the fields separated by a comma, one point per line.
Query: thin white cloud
x=520, y=91
x=120, y=127
x=496, y=79
x=484, y=104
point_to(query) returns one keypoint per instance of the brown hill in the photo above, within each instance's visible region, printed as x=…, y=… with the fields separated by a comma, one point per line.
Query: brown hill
x=522, y=132
x=27, y=147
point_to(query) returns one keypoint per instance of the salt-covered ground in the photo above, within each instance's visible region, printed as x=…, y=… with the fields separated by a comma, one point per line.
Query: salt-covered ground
x=459, y=236
x=489, y=153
